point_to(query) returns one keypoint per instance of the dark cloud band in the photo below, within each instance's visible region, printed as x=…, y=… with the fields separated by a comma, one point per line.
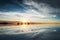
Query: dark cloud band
x=11, y=5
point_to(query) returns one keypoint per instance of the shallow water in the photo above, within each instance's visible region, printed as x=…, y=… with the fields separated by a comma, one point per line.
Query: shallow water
x=30, y=32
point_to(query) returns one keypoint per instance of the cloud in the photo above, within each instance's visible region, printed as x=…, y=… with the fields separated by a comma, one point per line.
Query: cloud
x=32, y=10
x=29, y=33
x=43, y=9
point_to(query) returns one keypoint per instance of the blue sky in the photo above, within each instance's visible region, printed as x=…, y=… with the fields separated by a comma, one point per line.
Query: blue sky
x=29, y=10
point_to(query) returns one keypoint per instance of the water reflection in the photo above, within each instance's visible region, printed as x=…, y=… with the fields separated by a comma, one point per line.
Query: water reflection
x=30, y=32
x=23, y=29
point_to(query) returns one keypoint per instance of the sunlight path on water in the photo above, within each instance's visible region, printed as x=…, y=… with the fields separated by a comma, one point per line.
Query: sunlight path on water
x=23, y=29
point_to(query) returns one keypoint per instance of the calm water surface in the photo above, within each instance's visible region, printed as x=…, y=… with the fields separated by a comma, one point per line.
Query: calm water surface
x=30, y=32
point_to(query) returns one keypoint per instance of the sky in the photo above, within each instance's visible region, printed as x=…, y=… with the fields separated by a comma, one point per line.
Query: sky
x=30, y=10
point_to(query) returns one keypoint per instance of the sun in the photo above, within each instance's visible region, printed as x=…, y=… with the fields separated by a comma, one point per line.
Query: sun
x=24, y=25
x=24, y=20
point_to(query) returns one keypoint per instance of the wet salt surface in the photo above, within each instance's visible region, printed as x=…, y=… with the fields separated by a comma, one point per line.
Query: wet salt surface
x=36, y=32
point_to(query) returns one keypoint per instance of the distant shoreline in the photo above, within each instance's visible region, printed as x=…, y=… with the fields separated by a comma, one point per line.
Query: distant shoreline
x=10, y=23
